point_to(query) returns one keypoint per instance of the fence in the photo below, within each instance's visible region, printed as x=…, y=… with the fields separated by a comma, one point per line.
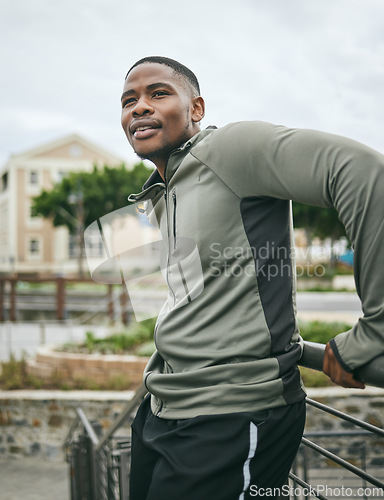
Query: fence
x=99, y=464
x=12, y=300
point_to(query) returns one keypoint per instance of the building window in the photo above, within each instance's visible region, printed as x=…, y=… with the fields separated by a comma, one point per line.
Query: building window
x=34, y=247
x=4, y=181
x=31, y=220
x=58, y=176
x=93, y=244
x=33, y=177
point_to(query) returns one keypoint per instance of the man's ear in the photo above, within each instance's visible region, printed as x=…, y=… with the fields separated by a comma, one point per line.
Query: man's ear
x=198, y=109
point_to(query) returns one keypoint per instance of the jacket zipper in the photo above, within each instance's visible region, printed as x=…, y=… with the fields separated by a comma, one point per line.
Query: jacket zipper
x=169, y=240
x=174, y=219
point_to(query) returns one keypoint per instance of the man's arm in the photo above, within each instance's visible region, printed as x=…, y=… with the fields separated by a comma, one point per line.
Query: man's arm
x=259, y=159
x=336, y=372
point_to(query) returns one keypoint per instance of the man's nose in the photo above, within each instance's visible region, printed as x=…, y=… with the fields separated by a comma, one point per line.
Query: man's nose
x=142, y=107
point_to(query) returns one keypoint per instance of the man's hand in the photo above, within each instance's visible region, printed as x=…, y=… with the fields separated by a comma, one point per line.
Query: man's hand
x=336, y=372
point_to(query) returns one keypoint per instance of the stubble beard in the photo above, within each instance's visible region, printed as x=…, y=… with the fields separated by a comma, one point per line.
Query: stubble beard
x=163, y=153
x=158, y=155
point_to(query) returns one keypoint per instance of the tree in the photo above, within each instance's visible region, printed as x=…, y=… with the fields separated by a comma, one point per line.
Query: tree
x=82, y=197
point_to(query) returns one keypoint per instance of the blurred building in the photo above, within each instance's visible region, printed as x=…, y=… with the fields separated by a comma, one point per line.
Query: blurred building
x=31, y=245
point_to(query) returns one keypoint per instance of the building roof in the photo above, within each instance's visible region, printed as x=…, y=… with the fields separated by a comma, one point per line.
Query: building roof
x=72, y=146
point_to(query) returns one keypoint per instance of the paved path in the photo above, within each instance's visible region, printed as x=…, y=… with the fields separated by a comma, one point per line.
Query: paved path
x=33, y=479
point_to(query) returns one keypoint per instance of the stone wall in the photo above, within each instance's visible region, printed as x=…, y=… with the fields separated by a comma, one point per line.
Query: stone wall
x=36, y=423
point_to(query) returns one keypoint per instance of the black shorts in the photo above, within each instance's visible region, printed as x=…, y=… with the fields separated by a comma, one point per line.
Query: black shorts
x=213, y=457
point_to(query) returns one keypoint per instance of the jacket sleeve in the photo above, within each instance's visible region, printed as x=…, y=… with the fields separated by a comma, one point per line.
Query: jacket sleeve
x=260, y=159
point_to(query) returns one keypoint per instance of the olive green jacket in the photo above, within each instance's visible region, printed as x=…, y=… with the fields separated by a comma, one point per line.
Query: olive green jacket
x=228, y=338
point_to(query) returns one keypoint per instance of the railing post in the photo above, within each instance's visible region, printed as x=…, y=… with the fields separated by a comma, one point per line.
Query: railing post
x=123, y=480
x=294, y=470
x=305, y=470
x=364, y=468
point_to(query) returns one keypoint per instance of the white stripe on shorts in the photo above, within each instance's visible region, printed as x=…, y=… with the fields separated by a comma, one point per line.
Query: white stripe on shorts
x=251, y=454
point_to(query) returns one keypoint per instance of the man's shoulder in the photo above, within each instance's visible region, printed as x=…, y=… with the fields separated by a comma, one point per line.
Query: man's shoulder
x=233, y=140
x=244, y=126
x=240, y=132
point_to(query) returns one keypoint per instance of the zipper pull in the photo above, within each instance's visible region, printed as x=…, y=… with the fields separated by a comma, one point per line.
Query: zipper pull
x=174, y=218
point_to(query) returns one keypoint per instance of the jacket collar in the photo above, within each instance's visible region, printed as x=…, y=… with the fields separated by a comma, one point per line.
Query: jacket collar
x=154, y=178
x=176, y=157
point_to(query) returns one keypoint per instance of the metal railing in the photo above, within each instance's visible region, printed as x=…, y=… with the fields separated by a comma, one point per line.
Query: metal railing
x=315, y=491
x=370, y=374
x=320, y=479
x=99, y=464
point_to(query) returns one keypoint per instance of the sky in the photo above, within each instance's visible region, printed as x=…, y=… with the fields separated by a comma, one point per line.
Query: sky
x=302, y=63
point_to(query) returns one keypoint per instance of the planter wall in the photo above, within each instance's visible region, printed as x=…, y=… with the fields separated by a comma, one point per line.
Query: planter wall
x=98, y=367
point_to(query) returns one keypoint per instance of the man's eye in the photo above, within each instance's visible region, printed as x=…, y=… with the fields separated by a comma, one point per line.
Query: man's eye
x=160, y=93
x=127, y=102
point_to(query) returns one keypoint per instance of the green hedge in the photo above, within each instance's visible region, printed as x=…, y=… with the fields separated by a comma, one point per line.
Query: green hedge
x=321, y=331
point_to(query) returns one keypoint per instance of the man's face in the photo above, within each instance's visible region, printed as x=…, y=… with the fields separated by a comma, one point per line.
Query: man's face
x=158, y=112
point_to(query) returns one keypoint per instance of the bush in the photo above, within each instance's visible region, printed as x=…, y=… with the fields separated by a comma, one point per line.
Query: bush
x=14, y=376
x=321, y=331
x=313, y=378
x=118, y=343
x=139, y=340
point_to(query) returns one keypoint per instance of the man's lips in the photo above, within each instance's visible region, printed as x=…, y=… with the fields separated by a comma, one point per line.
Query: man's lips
x=142, y=129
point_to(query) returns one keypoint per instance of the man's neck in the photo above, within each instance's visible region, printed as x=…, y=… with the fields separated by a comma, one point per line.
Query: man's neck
x=161, y=170
x=161, y=164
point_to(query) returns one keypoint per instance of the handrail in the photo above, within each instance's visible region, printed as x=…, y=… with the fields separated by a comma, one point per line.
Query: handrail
x=304, y=484
x=371, y=374
x=70, y=433
x=360, y=472
x=343, y=463
x=88, y=427
x=346, y=417
x=135, y=401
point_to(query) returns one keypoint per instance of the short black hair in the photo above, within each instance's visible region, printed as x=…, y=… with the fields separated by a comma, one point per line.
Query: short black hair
x=177, y=67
